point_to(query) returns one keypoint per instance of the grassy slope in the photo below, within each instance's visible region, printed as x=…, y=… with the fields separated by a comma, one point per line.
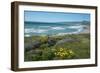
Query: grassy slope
x=80, y=48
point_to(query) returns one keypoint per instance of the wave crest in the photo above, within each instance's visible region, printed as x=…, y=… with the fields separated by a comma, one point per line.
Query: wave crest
x=35, y=30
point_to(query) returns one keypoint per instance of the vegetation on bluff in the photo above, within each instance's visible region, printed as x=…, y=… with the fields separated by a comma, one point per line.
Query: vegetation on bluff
x=72, y=46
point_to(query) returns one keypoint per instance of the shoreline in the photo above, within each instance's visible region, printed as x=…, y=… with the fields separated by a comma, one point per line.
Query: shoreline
x=85, y=31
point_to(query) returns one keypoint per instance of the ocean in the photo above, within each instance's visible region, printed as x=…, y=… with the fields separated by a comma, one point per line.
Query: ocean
x=39, y=28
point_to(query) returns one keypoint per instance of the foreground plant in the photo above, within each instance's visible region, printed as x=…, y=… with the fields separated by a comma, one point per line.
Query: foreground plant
x=64, y=53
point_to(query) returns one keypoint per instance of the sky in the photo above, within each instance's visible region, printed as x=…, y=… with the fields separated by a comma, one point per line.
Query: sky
x=41, y=16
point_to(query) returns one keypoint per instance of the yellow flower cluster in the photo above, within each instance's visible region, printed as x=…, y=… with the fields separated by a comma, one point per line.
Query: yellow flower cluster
x=64, y=53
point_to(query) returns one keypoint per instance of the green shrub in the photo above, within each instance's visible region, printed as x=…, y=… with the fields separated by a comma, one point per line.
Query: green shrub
x=44, y=46
x=43, y=39
x=47, y=54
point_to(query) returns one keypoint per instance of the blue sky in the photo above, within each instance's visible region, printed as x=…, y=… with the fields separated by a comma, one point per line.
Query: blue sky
x=40, y=16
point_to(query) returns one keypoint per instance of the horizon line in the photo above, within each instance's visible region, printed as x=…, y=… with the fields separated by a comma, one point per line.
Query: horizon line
x=57, y=22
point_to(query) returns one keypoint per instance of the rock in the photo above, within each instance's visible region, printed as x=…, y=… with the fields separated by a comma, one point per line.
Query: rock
x=32, y=45
x=36, y=44
x=51, y=42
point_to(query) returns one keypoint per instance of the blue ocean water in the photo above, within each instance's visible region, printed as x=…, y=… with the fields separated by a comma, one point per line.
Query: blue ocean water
x=35, y=28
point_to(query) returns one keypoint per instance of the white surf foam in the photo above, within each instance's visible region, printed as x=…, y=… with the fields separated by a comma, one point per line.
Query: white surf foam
x=35, y=30
x=58, y=28
x=27, y=35
x=75, y=32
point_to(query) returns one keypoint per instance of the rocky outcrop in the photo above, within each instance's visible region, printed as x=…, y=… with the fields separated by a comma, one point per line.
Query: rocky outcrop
x=32, y=45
